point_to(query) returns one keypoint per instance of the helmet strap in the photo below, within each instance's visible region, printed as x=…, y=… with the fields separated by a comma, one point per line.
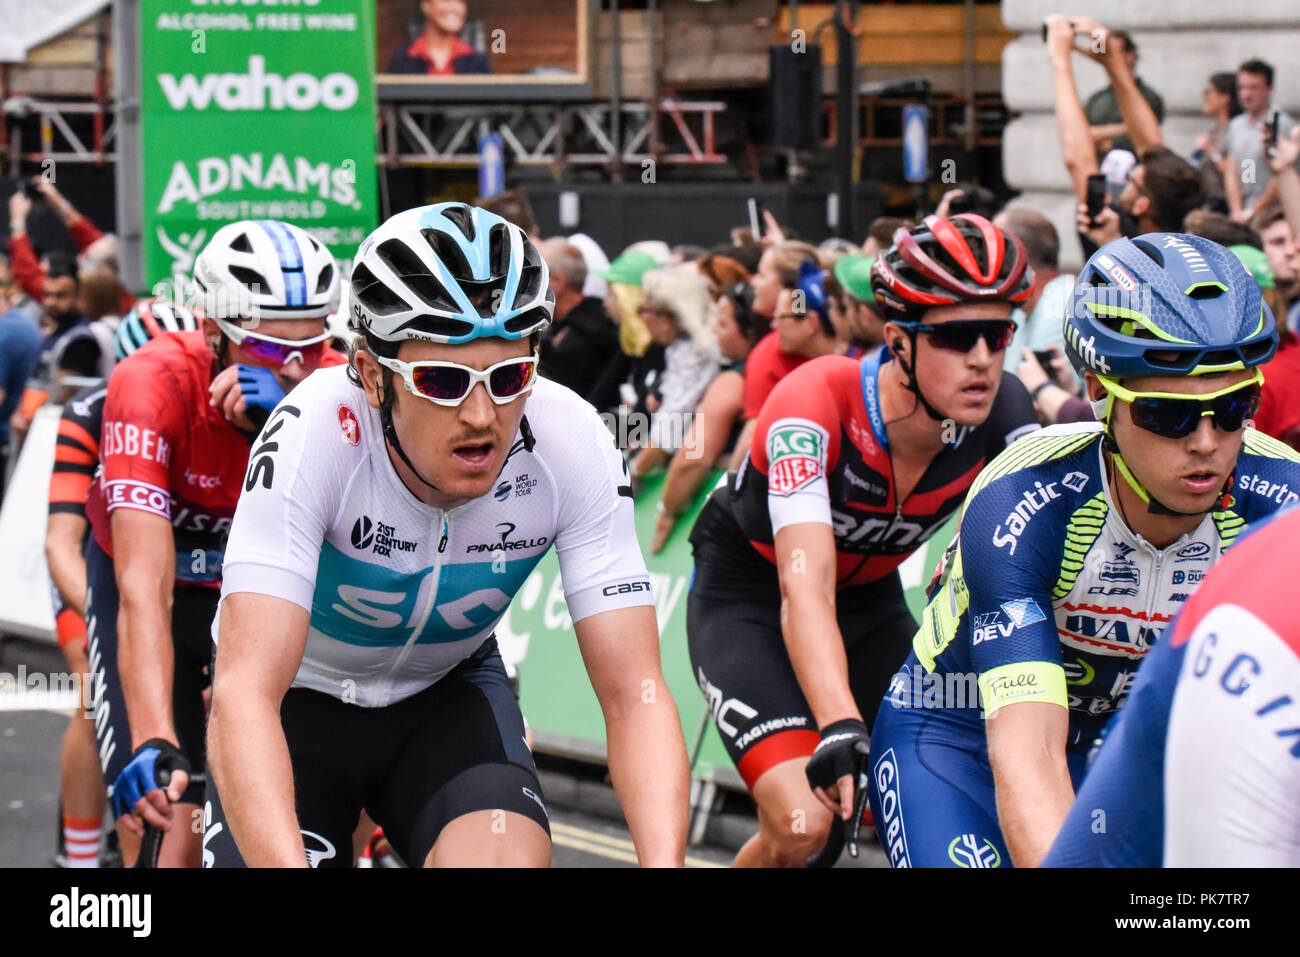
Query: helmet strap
x=910, y=382
x=390, y=430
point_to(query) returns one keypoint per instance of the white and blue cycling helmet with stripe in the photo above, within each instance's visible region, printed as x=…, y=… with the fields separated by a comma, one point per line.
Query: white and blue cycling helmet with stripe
x=148, y=319
x=266, y=269
x=449, y=273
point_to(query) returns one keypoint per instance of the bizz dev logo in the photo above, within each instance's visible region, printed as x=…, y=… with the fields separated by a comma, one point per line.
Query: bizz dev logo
x=796, y=455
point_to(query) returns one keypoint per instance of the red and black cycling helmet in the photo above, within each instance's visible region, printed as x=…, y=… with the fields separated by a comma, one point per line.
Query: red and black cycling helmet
x=947, y=262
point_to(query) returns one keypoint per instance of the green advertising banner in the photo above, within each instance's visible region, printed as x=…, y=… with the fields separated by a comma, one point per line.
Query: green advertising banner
x=555, y=694
x=260, y=110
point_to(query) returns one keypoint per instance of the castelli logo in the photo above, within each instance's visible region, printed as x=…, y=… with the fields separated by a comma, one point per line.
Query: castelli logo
x=350, y=426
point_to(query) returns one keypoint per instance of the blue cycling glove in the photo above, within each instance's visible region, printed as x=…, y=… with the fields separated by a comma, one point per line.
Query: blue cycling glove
x=150, y=767
x=261, y=391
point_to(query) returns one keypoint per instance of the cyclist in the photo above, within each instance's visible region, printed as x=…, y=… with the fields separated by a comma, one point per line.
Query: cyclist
x=368, y=566
x=1074, y=551
x=1202, y=767
x=76, y=455
x=796, y=613
x=178, y=419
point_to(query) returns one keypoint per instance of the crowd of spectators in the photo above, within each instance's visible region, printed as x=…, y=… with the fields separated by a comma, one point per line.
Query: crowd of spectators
x=693, y=341
x=58, y=313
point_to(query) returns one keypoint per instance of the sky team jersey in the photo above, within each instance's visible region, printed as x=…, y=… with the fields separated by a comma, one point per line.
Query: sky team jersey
x=1047, y=595
x=400, y=592
x=821, y=454
x=164, y=450
x=1202, y=768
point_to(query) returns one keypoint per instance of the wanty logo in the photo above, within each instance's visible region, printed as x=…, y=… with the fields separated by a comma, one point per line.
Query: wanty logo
x=259, y=90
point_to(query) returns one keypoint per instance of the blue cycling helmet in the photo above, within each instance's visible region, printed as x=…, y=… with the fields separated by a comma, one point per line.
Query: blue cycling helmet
x=449, y=273
x=149, y=318
x=813, y=287
x=1167, y=304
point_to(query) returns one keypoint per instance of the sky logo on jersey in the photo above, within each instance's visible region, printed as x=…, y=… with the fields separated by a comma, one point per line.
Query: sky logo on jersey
x=796, y=455
x=1017, y=520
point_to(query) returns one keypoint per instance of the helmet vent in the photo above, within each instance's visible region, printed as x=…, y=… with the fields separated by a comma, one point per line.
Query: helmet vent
x=373, y=296
x=399, y=257
x=1206, y=290
x=249, y=277
x=326, y=277
x=522, y=323
x=449, y=254
x=464, y=220
x=440, y=326
x=242, y=245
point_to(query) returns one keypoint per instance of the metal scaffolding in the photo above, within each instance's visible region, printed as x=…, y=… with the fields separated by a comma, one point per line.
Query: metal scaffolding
x=424, y=134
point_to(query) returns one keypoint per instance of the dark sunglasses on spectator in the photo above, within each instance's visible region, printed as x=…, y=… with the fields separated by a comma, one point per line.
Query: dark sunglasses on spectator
x=961, y=335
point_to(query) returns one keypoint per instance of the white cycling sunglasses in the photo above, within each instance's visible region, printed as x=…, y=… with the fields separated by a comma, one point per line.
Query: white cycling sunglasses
x=449, y=383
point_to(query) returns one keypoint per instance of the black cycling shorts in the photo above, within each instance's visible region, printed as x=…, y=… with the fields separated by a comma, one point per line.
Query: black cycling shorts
x=413, y=766
x=193, y=609
x=738, y=653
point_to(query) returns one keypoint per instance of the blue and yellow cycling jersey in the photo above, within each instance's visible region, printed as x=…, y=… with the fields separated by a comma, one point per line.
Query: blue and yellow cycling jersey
x=1046, y=594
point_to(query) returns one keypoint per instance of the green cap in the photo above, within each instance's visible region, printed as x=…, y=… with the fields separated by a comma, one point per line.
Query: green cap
x=629, y=268
x=854, y=274
x=1256, y=264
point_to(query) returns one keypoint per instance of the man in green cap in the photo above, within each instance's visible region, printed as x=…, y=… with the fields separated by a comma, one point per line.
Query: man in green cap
x=1279, y=404
x=862, y=327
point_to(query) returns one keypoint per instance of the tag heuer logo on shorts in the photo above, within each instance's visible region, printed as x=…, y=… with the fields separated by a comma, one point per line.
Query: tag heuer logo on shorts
x=796, y=455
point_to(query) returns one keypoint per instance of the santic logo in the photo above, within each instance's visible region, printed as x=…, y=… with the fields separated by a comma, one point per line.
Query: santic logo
x=259, y=90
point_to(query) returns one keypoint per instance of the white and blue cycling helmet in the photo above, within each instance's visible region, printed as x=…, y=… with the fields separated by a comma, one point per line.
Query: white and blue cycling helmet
x=148, y=319
x=449, y=273
x=266, y=269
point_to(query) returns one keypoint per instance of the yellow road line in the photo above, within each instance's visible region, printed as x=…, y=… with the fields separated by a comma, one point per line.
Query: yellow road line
x=616, y=848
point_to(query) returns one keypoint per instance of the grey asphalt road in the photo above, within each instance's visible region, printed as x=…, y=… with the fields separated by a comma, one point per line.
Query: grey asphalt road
x=31, y=730
x=584, y=834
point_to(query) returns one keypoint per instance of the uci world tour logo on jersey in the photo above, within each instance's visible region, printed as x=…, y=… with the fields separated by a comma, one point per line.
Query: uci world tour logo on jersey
x=796, y=455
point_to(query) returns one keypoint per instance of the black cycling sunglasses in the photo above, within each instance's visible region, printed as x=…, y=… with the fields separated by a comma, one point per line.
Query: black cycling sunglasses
x=961, y=336
x=1176, y=418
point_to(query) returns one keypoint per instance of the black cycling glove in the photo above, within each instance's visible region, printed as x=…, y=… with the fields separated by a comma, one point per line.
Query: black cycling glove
x=841, y=751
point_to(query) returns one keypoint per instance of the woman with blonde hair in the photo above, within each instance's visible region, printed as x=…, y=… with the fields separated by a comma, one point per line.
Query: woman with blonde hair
x=676, y=309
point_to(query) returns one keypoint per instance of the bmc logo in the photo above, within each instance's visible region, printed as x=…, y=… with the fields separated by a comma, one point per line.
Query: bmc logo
x=259, y=90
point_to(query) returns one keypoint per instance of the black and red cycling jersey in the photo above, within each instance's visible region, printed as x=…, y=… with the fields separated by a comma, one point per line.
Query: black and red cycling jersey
x=76, y=452
x=164, y=450
x=76, y=456
x=821, y=454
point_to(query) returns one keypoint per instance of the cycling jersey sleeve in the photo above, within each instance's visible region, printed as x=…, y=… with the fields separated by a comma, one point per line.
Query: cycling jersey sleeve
x=1010, y=560
x=76, y=454
x=796, y=444
x=290, y=494
x=600, y=560
x=142, y=426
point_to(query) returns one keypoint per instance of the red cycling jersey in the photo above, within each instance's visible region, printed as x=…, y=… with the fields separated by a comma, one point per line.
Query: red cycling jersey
x=821, y=454
x=765, y=366
x=164, y=450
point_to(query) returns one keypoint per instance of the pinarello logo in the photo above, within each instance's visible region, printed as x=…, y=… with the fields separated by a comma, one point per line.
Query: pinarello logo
x=350, y=426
